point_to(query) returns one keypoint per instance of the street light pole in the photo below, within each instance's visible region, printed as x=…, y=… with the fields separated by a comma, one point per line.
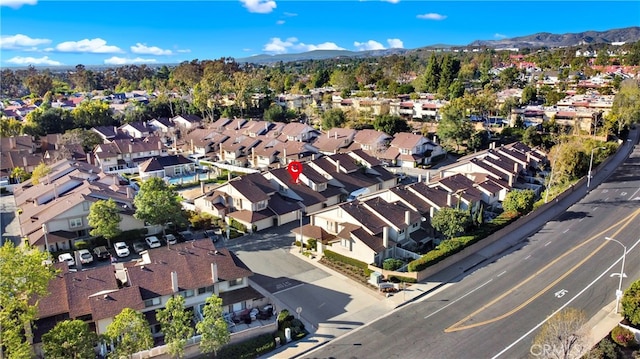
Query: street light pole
x=624, y=254
x=591, y=164
x=46, y=241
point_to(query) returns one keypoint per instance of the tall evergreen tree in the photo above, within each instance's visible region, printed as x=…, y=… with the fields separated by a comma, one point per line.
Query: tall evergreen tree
x=432, y=75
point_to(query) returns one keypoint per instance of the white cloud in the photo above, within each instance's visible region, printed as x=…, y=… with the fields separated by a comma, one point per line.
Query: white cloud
x=432, y=16
x=20, y=41
x=290, y=14
x=395, y=43
x=279, y=46
x=246, y=49
x=45, y=60
x=15, y=4
x=392, y=1
x=149, y=50
x=499, y=36
x=183, y=51
x=97, y=46
x=259, y=6
x=280, y=22
x=115, y=60
x=369, y=45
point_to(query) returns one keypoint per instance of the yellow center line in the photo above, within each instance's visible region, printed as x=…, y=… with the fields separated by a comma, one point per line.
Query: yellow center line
x=458, y=325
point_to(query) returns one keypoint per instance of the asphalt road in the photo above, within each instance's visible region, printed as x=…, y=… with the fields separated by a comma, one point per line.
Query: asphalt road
x=496, y=310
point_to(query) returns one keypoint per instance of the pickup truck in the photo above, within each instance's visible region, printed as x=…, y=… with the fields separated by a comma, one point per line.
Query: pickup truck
x=102, y=253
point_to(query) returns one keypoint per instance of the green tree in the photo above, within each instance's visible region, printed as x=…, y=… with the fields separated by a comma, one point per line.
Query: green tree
x=39, y=83
x=53, y=120
x=448, y=72
x=275, y=113
x=631, y=303
x=456, y=90
x=529, y=95
x=432, y=75
x=450, y=221
x=390, y=124
x=508, y=77
x=563, y=335
x=520, y=201
x=213, y=328
x=92, y=113
x=602, y=58
x=130, y=332
x=104, y=218
x=78, y=136
x=626, y=104
x=10, y=127
x=334, y=117
x=41, y=171
x=70, y=339
x=158, y=204
x=19, y=174
x=531, y=137
x=453, y=125
x=342, y=79
x=24, y=278
x=176, y=325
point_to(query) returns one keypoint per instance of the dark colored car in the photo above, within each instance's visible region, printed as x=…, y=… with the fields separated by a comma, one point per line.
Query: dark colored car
x=101, y=253
x=212, y=235
x=187, y=235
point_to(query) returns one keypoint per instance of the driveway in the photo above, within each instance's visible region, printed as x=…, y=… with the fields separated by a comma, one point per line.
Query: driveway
x=9, y=222
x=331, y=302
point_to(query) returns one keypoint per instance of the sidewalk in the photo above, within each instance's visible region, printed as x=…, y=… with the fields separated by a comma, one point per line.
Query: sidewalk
x=599, y=325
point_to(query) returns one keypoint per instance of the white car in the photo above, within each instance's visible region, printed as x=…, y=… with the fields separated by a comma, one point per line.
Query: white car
x=85, y=256
x=67, y=257
x=122, y=250
x=152, y=241
x=171, y=239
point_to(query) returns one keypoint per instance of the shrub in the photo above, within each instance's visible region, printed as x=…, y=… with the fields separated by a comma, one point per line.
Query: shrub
x=399, y=279
x=606, y=350
x=623, y=337
x=312, y=244
x=251, y=348
x=333, y=256
x=392, y=264
x=237, y=225
x=81, y=245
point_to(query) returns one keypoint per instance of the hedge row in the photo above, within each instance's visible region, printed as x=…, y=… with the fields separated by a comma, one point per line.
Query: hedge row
x=333, y=256
x=452, y=246
x=248, y=349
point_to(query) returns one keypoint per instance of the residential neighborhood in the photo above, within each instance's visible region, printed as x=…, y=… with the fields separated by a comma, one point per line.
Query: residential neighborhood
x=133, y=197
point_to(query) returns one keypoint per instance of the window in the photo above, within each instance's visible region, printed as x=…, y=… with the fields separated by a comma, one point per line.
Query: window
x=152, y=302
x=203, y=290
x=86, y=205
x=187, y=293
x=235, y=282
x=75, y=223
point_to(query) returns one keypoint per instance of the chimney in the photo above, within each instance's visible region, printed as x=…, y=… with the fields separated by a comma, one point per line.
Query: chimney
x=515, y=167
x=214, y=272
x=335, y=135
x=420, y=177
x=432, y=211
x=328, y=134
x=449, y=198
x=129, y=192
x=511, y=180
x=202, y=187
x=407, y=218
x=285, y=156
x=427, y=177
x=266, y=127
x=385, y=237
x=313, y=157
x=12, y=142
x=159, y=145
x=174, y=282
x=89, y=158
x=130, y=148
x=229, y=176
x=24, y=162
x=338, y=166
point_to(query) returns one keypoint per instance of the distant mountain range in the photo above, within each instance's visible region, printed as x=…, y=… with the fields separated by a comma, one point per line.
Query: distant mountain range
x=542, y=39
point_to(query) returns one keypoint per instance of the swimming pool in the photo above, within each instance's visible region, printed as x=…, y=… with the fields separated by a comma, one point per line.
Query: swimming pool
x=183, y=179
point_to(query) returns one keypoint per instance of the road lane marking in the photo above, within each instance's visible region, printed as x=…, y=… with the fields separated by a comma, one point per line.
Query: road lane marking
x=634, y=193
x=501, y=274
x=443, y=308
x=564, y=305
x=566, y=230
x=288, y=288
x=527, y=257
x=458, y=325
x=595, y=208
x=560, y=293
x=581, y=219
x=546, y=244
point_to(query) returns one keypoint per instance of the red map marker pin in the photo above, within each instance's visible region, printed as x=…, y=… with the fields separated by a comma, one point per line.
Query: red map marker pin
x=295, y=169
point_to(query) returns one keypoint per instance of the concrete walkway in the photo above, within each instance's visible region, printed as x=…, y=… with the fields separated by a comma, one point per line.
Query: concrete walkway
x=598, y=327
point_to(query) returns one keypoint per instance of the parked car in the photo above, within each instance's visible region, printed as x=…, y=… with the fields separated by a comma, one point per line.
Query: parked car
x=85, y=256
x=101, y=253
x=122, y=249
x=186, y=235
x=170, y=238
x=152, y=241
x=138, y=246
x=212, y=235
x=67, y=257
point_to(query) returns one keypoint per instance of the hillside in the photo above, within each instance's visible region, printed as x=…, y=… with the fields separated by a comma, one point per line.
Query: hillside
x=545, y=39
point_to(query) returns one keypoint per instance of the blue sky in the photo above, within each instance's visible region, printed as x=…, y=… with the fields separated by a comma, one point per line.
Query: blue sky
x=52, y=33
